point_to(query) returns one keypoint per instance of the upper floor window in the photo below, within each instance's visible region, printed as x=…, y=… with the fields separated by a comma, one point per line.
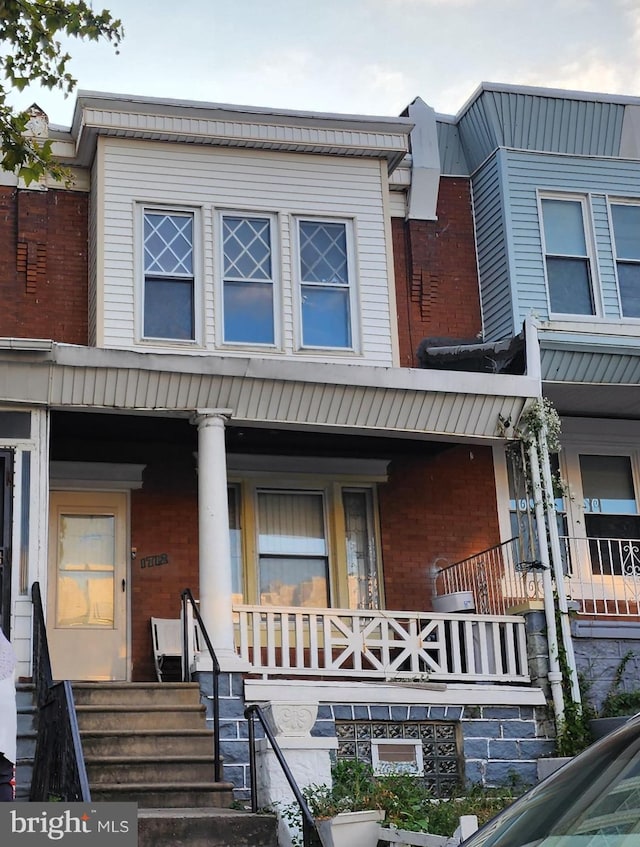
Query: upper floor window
x=168, y=311
x=325, y=283
x=248, y=279
x=626, y=231
x=569, y=274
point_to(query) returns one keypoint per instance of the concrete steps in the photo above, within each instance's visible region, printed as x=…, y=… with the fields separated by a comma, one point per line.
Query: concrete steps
x=205, y=828
x=148, y=743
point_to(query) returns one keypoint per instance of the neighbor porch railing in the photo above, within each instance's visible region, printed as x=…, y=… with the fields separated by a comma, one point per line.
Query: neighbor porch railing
x=498, y=578
x=382, y=644
x=601, y=576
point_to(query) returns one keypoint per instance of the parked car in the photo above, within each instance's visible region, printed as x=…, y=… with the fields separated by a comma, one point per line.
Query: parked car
x=593, y=800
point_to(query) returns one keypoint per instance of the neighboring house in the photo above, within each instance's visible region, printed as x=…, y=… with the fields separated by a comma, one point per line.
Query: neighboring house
x=209, y=379
x=556, y=191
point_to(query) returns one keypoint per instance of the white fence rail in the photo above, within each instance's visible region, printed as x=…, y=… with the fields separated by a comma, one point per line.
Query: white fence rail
x=382, y=644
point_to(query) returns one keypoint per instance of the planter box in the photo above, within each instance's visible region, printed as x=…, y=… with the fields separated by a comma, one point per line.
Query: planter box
x=351, y=829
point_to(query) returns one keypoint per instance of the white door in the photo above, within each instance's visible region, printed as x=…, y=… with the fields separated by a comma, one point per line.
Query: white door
x=86, y=607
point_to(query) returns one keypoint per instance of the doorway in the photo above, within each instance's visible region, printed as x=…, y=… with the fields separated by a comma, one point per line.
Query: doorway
x=87, y=585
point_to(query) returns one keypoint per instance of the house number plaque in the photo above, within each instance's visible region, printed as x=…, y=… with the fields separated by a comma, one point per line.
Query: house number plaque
x=154, y=561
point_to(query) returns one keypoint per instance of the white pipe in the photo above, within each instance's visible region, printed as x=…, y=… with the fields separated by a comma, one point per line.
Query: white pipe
x=556, y=558
x=554, y=675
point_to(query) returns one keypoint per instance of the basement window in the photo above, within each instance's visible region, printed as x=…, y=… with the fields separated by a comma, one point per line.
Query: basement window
x=391, y=755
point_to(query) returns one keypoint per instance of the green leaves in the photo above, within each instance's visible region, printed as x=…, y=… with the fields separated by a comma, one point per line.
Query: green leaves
x=30, y=52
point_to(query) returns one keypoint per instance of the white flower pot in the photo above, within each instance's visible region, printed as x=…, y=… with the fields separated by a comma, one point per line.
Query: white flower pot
x=351, y=829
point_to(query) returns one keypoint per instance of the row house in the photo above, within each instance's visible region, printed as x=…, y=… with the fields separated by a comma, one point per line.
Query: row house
x=256, y=354
x=556, y=192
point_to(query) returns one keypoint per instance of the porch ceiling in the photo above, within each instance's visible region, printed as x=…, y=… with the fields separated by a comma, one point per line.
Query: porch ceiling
x=346, y=398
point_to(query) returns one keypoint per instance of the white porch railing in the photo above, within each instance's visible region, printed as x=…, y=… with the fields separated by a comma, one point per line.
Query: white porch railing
x=382, y=644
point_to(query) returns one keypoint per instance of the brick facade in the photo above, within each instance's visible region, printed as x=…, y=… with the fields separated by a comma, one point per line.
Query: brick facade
x=436, y=272
x=434, y=512
x=43, y=264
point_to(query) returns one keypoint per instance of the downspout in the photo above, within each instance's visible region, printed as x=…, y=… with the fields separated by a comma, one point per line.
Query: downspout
x=556, y=557
x=554, y=675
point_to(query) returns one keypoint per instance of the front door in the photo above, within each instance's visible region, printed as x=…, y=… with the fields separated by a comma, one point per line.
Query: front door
x=86, y=604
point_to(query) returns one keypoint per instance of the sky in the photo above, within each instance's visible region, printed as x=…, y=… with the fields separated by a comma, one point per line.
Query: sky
x=353, y=56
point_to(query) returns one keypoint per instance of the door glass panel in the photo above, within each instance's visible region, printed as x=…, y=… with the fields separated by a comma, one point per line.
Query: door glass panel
x=86, y=571
x=293, y=549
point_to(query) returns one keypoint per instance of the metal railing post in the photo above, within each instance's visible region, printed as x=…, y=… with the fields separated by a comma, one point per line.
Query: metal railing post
x=215, y=666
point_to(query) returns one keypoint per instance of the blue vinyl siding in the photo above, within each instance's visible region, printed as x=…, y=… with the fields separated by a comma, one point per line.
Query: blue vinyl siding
x=598, y=179
x=495, y=291
x=547, y=123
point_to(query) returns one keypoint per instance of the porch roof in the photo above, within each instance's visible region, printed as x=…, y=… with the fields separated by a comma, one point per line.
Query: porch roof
x=318, y=396
x=591, y=369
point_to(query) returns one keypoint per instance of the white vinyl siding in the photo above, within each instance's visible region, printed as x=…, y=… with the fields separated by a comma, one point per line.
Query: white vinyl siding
x=285, y=185
x=93, y=257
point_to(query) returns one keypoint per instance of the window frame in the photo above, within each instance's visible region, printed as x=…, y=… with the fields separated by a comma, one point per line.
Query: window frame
x=275, y=281
x=352, y=286
x=590, y=257
x=249, y=484
x=617, y=261
x=142, y=209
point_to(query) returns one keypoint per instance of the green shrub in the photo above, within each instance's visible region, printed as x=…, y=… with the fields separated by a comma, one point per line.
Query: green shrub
x=404, y=799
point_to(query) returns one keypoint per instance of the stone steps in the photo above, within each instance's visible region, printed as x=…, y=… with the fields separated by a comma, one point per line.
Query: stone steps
x=148, y=743
x=205, y=828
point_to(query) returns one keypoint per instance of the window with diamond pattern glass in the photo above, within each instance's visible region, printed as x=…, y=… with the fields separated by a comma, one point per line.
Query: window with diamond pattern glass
x=324, y=277
x=248, y=280
x=168, y=276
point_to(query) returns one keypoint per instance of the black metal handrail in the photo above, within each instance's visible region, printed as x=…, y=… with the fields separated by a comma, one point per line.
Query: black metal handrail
x=58, y=768
x=310, y=834
x=187, y=599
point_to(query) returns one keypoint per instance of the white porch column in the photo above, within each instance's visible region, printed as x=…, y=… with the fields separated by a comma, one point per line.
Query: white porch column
x=213, y=533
